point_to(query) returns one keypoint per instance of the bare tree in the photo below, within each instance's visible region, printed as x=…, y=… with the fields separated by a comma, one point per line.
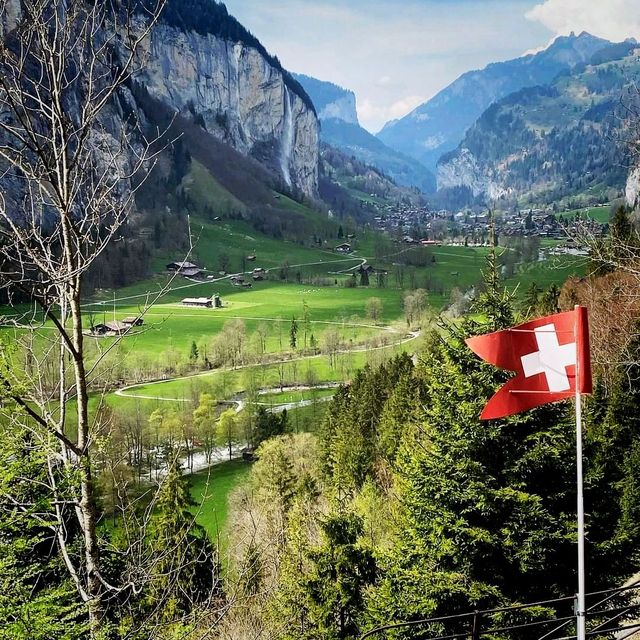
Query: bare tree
x=70, y=166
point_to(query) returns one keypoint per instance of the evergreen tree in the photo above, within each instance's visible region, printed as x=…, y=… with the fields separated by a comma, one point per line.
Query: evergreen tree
x=37, y=601
x=531, y=300
x=193, y=352
x=185, y=572
x=340, y=570
x=269, y=425
x=549, y=301
x=293, y=333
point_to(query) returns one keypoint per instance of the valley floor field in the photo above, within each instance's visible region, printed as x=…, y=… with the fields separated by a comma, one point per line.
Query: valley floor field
x=175, y=356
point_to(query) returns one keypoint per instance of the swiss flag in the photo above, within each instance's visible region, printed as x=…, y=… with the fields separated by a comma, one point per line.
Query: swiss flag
x=547, y=355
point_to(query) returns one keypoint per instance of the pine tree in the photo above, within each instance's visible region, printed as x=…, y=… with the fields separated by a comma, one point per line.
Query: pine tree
x=340, y=571
x=293, y=333
x=531, y=300
x=37, y=602
x=185, y=570
x=193, y=352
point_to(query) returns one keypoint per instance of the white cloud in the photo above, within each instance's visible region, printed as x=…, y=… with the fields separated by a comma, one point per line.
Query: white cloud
x=383, y=81
x=370, y=111
x=611, y=19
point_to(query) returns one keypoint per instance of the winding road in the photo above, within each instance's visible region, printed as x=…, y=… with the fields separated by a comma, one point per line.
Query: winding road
x=124, y=391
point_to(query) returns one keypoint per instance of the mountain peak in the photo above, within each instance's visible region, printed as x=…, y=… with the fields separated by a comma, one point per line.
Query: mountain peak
x=437, y=126
x=330, y=100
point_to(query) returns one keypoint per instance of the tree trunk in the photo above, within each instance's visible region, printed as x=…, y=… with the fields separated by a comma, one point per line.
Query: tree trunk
x=88, y=514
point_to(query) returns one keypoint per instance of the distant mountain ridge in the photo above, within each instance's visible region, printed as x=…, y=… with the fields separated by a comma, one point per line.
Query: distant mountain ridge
x=437, y=126
x=339, y=127
x=545, y=143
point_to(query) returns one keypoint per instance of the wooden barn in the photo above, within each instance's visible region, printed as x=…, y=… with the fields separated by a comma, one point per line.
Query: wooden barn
x=113, y=328
x=181, y=266
x=206, y=303
x=133, y=321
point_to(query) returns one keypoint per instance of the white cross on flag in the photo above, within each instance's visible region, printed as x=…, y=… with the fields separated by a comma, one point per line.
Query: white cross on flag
x=547, y=355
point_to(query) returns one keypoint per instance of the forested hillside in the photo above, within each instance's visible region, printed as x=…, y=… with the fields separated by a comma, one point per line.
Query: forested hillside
x=437, y=126
x=545, y=143
x=404, y=505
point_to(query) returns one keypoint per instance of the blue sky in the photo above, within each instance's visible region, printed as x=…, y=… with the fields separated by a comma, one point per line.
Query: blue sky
x=395, y=54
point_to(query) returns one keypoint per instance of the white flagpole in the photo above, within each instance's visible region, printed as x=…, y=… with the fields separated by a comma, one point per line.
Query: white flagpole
x=581, y=607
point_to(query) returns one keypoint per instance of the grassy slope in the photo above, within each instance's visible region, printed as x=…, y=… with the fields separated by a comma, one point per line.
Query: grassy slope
x=210, y=490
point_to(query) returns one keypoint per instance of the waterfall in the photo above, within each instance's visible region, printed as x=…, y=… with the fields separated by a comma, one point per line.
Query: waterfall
x=286, y=149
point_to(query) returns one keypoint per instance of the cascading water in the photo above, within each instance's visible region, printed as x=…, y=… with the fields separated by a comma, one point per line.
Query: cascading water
x=286, y=149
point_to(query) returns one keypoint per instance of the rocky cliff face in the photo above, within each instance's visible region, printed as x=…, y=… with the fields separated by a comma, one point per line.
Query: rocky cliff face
x=331, y=101
x=343, y=108
x=553, y=141
x=336, y=108
x=241, y=97
x=463, y=170
x=632, y=190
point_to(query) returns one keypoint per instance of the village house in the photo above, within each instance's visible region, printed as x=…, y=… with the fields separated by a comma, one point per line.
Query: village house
x=259, y=274
x=192, y=272
x=113, y=328
x=206, y=303
x=181, y=266
x=133, y=321
x=345, y=247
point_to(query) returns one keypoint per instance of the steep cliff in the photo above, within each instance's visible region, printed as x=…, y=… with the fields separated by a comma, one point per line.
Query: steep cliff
x=632, y=188
x=240, y=96
x=330, y=100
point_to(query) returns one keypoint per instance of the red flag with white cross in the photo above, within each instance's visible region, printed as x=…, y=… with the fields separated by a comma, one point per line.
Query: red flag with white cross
x=550, y=357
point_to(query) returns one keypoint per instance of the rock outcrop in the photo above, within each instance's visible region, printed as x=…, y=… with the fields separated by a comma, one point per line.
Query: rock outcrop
x=240, y=96
x=336, y=108
x=463, y=170
x=632, y=190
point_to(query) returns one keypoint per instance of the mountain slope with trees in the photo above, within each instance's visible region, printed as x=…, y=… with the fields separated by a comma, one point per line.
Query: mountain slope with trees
x=437, y=126
x=545, y=143
x=417, y=509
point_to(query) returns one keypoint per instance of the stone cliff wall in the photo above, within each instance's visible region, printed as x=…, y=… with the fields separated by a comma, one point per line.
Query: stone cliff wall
x=241, y=98
x=343, y=108
x=463, y=170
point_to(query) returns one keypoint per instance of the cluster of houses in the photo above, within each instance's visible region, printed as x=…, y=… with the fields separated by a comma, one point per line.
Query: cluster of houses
x=412, y=224
x=399, y=216
x=240, y=280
